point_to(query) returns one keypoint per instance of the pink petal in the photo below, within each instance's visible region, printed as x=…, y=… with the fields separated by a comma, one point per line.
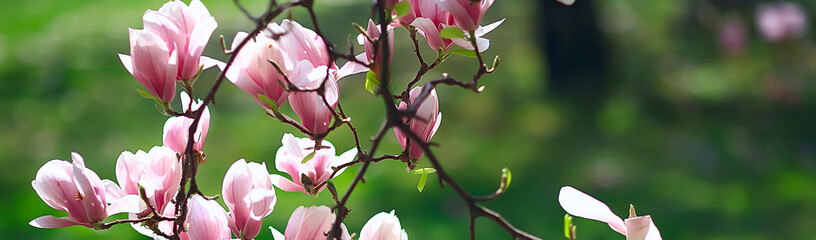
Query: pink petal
x=641, y=228
x=459, y=13
x=128, y=204
x=208, y=221
x=428, y=30
x=51, y=179
x=112, y=191
x=352, y=67
x=344, y=158
x=127, y=62
x=580, y=204
x=55, y=222
x=383, y=226
x=286, y=184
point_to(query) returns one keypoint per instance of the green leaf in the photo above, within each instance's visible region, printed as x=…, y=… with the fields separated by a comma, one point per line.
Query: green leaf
x=308, y=157
x=146, y=94
x=371, y=83
x=567, y=225
x=269, y=102
x=402, y=8
x=422, y=180
x=464, y=52
x=452, y=33
x=423, y=171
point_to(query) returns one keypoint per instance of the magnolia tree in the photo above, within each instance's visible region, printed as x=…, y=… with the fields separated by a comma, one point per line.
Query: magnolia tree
x=278, y=63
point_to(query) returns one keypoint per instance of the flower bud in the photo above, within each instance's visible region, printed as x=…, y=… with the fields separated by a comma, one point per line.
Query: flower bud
x=248, y=193
x=207, y=220
x=424, y=123
x=383, y=226
x=467, y=14
x=152, y=64
x=310, y=223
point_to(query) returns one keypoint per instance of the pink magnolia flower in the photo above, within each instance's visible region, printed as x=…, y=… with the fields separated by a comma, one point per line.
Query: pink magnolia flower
x=252, y=72
x=312, y=223
x=780, y=20
x=429, y=19
x=176, y=129
x=383, y=226
x=580, y=204
x=152, y=63
x=290, y=159
x=158, y=171
x=467, y=14
x=185, y=29
x=424, y=123
x=301, y=43
x=207, y=220
x=248, y=193
x=75, y=189
x=170, y=46
x=314, y=114
x=373, y=32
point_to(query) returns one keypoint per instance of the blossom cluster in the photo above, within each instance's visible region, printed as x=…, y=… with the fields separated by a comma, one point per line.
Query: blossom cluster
x=285, y=62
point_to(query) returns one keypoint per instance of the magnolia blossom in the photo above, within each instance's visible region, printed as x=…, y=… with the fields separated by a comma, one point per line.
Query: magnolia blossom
x=252, y=71
x=301, y=43
x=158, y=171
x=466, y=13
x=383, y=226
x=424, y=124
x=206, y=220
x=307, y=175
x=248, y=193
x=780, y=20
x=314, y=114
x=152, y=63
x=75, y=189
x=176, y=129
x=185, y=29
x=372, y=32
x=310, y=69
x=170, y=46
x=582, y=205
x=429, y=19
x=312, y=223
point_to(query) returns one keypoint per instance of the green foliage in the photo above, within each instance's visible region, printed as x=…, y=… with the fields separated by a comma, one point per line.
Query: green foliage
x=402, y=8
x=452, y=33
x=422, y=179
x=464, y=52
x=371, y=83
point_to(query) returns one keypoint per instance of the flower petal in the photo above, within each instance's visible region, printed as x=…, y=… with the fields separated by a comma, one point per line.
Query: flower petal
x=582, y=205
x=54, y=222
x=641, y=228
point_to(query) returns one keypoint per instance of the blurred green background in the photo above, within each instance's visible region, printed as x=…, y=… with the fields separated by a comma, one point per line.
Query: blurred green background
x=631, y=101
